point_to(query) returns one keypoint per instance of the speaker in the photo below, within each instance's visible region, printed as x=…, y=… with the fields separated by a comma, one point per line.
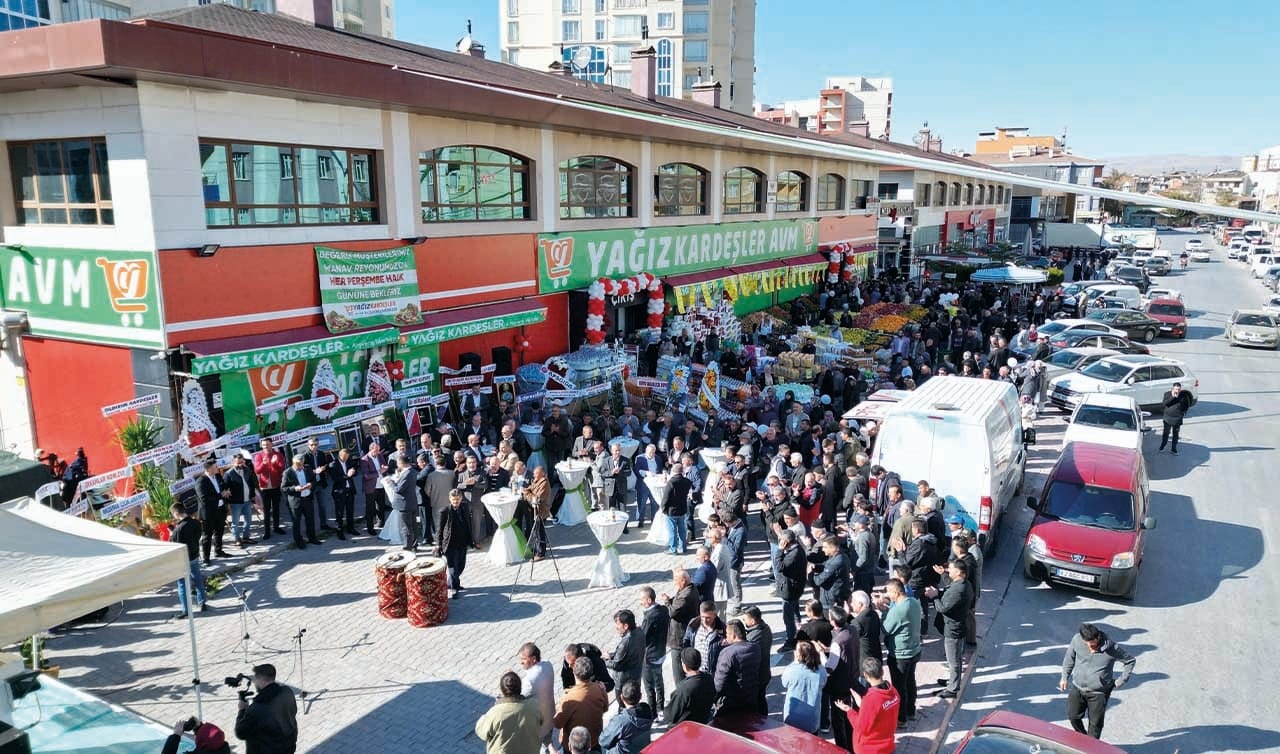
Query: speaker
x=502, y=358
x=469, y=359
x=13, y=741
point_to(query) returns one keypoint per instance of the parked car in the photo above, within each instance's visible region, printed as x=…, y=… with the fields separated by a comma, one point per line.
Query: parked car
x=1074, y=293
x=1157, y=292
x=1060, y=327
x=1132, y=276
x=1073, y=360
x=739, y=734
x=1253, y=327
x=1143, y=377
x=1134, y=324
x=1261, y=263
x=1236, y=248
x=1010, y=732
x=1271, y=279
x=1171, y=314
x=1117, y=343
x=1091, y=520
x=1106, y=419
x=1272, y=306
x=1039, y=263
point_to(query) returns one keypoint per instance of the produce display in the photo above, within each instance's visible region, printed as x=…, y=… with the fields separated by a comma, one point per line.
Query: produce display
x=794, y=366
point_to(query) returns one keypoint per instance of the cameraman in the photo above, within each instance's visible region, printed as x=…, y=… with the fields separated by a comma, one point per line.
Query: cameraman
x=209, y=738
x=268, y=725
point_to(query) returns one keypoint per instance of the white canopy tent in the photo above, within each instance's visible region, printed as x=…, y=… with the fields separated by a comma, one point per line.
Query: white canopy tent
x=1009, y=276
x=58, y=567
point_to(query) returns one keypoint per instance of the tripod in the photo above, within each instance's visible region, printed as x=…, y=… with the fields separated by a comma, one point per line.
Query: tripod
x=245, y=615
x=550, y=553
x=297, y=643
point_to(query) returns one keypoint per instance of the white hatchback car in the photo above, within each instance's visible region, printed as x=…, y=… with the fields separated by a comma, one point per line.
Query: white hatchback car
x=1107, y=419
x=1141, y=377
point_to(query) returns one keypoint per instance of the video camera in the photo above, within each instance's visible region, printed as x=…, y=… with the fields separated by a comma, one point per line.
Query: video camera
x=234, y=682
x=191, y=724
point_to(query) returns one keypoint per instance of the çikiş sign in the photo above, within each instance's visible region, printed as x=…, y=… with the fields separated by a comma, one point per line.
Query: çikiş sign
x=575, y=260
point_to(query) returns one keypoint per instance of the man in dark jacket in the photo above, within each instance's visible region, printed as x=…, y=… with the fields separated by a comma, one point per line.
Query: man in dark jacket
x=654, y=624
x=599, y=670
x=1087, y=671
x=242, y=483
x=759, y=634
x=866, y=553
x=212, y=495
x=953, y=604
x=705, y=634
x=453, y=539
x=186, y=530
x=627, y=659
x=735, y=545
x=1176, y=404
x=790, y=565
x=832, y=580
x=268, y=725
x=921, y=556
x=676, y=506
x=843, y=660
x=695, y=692
x=737, y=674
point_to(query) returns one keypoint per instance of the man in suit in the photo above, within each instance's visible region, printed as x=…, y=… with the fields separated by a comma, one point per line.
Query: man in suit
x=646, y=465
x=473, y=402
x=373, y=434
x=402, y=493
x=372, y=465
x=473, y=483
x=584, y=444
x=453, y=538
x=318, y=461
x=242, y=483
x=558, y=431
x=299, y=485
x=676, y=506
x=344, y=476
x=212, y=497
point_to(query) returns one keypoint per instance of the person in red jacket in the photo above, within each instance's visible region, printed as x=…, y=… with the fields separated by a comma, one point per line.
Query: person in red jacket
x=269, y=465
x=875, y=716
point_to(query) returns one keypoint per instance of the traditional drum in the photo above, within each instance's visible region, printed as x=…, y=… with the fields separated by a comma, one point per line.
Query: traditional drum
x=576, y=505
x=392, y=601
x=427, y=584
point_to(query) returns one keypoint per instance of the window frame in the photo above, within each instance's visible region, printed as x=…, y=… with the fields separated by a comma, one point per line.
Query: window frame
x=518, y=167
x=741, y=175
x=570, y=7
x=99, y=174
x=926, y=193
x=955, y=194
x=703, y=45
x=564, y=30
x=860, y=193
x=671, y=17
x=706, y=25
x=626, y=204
x=887, y=192
x=825, y=183
x=355, y=207
x=678, y=208
x=801, y=181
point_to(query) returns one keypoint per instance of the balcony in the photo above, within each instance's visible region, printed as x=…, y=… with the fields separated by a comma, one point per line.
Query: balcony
x=629, y=4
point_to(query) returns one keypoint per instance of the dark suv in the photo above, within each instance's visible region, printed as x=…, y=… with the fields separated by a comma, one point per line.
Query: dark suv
x=1134, y=276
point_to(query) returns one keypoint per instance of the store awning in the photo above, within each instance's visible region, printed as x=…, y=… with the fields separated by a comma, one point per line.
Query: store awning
x=298, y=344
x=775, y=264
x=693, y=278
x=452, y=324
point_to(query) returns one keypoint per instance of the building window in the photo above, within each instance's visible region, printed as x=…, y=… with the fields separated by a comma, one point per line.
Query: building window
x=923, y=199
x=1000, y=195
x=627, y=27
x=513, y=8
x=664, y=68
x=888, y=192
x=666, y=20
x=680, y=189
x=570, y=31
x=570, y=7
x=595, y=187
x=473, y=184
x=281, y=184
x=830, y=192
x=62, y=182
x=743, y=191
x=695, y=50
x=940, y=194
x=513, y=31
x=602, y=29
x=982, y=195
x=513, y=56
x=621, y=56
x=688, y=80
x=861, y=190
x=699, y=3
x=968, y=193
x=695, y=23
x=955, y=195
x=600, y=6
x=793, y=191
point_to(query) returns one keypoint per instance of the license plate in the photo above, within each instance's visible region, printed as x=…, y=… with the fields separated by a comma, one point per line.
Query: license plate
x=1165, y=329
x=1083, y=578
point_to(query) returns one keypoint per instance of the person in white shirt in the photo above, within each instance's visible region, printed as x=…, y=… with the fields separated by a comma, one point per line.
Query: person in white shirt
x=539, y=679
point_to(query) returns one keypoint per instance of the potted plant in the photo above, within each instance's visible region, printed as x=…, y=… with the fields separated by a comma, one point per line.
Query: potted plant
x=137, y=436
x=45, y=666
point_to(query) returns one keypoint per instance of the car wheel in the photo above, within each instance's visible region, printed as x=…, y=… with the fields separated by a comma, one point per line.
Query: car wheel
x=1148, y=336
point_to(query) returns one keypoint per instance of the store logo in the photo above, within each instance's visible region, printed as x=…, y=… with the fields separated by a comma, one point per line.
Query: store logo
x=975, y=218
x=557, y=254
x=277, y=381
x=809, y=229
x=126, y=288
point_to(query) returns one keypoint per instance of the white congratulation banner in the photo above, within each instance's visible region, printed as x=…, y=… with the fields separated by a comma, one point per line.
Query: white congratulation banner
x=110, y=477
x=157, y=455
x=48, y=490
x=124, y=504
x=131, y=405
x=181, y=486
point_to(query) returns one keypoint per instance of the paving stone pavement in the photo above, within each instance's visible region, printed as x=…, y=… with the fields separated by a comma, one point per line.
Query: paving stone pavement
x=377, y=685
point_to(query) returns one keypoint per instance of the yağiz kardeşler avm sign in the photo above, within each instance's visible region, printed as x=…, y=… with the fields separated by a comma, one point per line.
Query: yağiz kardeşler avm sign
x=568, y=261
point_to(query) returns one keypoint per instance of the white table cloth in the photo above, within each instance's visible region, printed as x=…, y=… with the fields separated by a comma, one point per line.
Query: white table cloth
x=508, y=545
x=629, y=447
x=391, y=529
x=576, y=505
x=607, y=527
x=659, y=532
x=532, y=434
x=715, y=459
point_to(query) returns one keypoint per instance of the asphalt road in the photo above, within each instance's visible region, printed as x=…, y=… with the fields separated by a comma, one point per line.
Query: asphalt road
x=1205, y=620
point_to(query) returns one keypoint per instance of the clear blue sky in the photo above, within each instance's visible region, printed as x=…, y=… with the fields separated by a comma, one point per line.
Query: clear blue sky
x=1124, y=77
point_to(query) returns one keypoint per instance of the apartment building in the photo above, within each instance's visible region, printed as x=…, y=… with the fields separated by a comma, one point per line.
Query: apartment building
x=845, y=105
x=695, y=41
x=374, y=17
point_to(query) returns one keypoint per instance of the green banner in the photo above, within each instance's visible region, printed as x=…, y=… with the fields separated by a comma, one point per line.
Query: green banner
x=569, y=261
x=368, y=288
x=82, y=294
x=475, y=327
x=239, y=361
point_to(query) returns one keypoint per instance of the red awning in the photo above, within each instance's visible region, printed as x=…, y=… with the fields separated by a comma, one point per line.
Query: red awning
x=264, y=340
x=776, y=263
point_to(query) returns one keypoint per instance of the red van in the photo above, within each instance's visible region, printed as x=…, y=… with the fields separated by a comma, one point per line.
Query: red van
x=1091, y=520
x=748, y=734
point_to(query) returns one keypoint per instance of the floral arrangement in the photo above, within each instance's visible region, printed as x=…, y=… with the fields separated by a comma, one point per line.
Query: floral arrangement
x=626, y=287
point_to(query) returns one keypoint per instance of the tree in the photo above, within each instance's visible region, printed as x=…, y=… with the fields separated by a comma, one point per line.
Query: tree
x=1113, y=207
x=1225, y=199
x=1180, y=216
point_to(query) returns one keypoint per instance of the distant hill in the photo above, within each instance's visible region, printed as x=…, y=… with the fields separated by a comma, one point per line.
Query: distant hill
x=1154, y=164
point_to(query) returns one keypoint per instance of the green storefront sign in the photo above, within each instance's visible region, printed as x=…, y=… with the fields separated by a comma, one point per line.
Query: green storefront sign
x=83, y=294
x=475, y=327
x=368, y=288
x=568, y=261
x=313, y=349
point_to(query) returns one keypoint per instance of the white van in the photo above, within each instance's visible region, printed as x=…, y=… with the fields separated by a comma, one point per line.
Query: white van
x=1127, y=295
x=963, y=436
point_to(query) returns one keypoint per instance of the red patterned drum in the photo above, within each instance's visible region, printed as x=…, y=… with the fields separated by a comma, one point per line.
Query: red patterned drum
x=390, y=568
x=428, y=586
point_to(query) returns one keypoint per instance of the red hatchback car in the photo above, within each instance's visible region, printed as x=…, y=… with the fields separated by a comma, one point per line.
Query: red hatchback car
x=1091, y=520
x=1010, y=732
x=751, y=734
x=1172, y=315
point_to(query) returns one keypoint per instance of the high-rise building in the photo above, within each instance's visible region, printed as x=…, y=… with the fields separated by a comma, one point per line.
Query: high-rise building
x=375, y=17
x=846, y=105
x=695, y=40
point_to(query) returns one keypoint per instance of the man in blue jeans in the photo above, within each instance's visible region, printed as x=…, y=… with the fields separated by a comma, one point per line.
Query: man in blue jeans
x=187, y=531
x=676, y=506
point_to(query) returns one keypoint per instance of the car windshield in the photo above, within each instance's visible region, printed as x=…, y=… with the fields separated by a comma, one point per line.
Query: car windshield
x=1051, y=328
x=1256, y=320
x=1170, y=309
x=1065, y=359
x=1105, y=315
x=1001, y=741
x=1107, y=417
x=1086, y=505
x=1107, y=371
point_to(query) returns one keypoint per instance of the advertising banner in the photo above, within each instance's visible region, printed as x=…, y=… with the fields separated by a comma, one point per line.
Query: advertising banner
x=748, y=284
x=133, y=405
x=429, y=335
x=239, y=361
x=368, y=288
x=568, y=261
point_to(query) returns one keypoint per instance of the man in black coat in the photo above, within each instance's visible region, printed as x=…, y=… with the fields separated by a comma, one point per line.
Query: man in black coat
x=676, y=506
x=1176, y=404
x=268, y=725
x=212, y=496
x=453, y=539
x=695, y=692
x=298, y=485
x=843, y=660
x=737, y=674
x=832, y=580
x=921, y=556
x=790, y=565
x=242, y=483
x=953, y=604
x=655, y=622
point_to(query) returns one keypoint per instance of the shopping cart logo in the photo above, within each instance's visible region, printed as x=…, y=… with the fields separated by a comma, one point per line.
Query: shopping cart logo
x=127, y=282
x=278, y=382
x=557, y=255
x=809, y=230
